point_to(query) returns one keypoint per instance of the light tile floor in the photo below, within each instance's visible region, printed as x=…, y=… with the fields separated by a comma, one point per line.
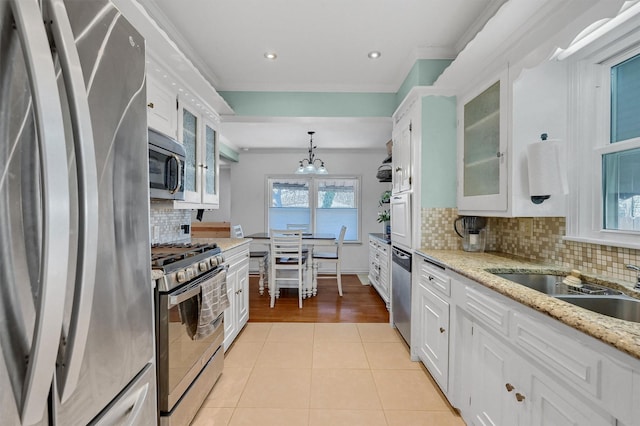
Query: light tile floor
x=290, y=374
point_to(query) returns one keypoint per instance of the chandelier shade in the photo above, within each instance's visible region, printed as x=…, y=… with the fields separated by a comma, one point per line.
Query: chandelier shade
x=307, y=165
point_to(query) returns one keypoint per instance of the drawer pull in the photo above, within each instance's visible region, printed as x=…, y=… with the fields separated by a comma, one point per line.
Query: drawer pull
x=519, y=397
x=509, y=387
x=431, y=278
x=442, y=330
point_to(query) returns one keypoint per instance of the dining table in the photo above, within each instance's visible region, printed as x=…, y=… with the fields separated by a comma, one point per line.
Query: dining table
x=309, y=239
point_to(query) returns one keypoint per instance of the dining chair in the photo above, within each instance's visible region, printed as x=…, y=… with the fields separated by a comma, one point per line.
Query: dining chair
x=304, y=227
x=236, y=231
x=286, y=257
x=262, y=256
x=329, y=257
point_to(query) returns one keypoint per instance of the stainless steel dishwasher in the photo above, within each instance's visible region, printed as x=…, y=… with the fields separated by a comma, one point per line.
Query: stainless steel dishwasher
x=401, y=292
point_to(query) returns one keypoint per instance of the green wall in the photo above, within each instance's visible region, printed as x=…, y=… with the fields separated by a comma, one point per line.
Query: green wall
x=423, y=73
x=311, y=104
x=333, y=104
x=228, y=153
x=438, y=187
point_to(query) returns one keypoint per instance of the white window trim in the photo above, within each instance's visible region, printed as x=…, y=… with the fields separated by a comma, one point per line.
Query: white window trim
x=313, y=188
x=589, y=128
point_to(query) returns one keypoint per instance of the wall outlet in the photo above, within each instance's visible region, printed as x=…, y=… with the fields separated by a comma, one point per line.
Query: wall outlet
x=526, y=226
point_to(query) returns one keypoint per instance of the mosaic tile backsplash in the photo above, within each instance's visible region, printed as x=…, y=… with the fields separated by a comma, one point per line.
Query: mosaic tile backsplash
x=165, y=223
x=537, y=239
x=437, y=229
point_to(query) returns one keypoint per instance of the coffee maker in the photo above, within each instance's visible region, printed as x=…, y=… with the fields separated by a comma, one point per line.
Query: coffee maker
x=471, y=230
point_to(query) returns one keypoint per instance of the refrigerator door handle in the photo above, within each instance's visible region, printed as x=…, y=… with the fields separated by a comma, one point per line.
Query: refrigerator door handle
x=55, y=206
x=72, y=351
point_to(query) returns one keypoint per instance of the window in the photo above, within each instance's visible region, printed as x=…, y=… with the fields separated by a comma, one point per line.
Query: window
x=325, y=204
x=621, y=168
x=605, y=199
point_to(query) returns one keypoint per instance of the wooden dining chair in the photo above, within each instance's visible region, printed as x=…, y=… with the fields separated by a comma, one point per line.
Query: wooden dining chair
x=262, y=256
x=334, y=257
x=287, y=263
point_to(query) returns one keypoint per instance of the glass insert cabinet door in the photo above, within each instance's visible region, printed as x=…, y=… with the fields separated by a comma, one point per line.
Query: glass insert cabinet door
x=190, y=142
x=483, y=171
x=209, y=166
x=200, y=139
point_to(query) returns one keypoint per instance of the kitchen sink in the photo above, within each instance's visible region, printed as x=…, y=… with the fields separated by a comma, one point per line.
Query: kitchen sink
x=590, y=296
x=553, y=286
x=621, y=307
x=543, y=283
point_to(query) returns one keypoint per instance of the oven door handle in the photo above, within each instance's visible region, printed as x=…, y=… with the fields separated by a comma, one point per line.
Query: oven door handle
x=184, y=295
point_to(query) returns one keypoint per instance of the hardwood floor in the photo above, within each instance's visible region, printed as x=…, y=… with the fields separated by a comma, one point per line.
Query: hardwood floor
x=359, y=304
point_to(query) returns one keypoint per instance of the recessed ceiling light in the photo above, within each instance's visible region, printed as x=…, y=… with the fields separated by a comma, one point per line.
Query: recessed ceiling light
x=270, y=55
x=374, y=54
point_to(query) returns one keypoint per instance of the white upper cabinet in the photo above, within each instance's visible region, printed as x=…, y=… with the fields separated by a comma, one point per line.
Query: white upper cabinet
x=162, y=109
x=200, y=139
x=405, y=135
x=402, y=155
x=496, y=124
x=482, y=175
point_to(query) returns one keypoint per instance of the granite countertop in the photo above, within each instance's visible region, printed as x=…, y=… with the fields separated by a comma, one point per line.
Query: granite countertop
x=623, y=335
x=225, y=244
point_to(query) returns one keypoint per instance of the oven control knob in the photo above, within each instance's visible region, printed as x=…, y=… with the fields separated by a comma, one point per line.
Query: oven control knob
x=181, y=276
x=213, y=261
x=204, y=267
x=220, y=259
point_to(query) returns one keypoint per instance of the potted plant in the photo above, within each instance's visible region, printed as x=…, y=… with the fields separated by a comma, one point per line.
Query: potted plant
x=384, y=217
x=385, y=197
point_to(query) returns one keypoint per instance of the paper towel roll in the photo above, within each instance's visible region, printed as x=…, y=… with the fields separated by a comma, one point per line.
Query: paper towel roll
x=546, y=174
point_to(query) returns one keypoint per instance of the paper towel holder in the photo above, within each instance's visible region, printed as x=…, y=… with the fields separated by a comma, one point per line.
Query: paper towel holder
x=538, y=199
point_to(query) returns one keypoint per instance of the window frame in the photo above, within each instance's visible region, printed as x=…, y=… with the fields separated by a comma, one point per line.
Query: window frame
x=590, y=140
x=313, y=182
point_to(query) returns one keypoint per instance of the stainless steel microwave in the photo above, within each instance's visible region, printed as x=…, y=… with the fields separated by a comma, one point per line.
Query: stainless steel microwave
x=166, y=167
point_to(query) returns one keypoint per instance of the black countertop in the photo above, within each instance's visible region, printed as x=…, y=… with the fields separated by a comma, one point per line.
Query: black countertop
x=382, y=237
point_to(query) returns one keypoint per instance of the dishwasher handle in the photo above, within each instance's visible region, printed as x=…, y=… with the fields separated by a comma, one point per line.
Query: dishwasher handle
x=400, y=254
x=401, y=259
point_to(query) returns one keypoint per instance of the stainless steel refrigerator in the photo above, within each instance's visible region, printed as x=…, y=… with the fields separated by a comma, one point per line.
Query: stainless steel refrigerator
x=76, y=309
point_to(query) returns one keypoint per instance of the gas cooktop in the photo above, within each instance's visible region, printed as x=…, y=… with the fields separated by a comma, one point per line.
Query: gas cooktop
x=163, y=255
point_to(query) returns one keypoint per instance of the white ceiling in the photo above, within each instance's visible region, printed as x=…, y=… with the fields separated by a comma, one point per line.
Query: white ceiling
x=322, y=45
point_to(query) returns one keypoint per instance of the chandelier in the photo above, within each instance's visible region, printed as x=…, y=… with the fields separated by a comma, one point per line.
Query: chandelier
x=307, y=165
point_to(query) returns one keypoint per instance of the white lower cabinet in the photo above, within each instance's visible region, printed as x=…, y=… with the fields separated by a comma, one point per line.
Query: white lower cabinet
x=237, y=314
x=502, y=363
x=433, y=308
x=505, y=389
x=380, y=267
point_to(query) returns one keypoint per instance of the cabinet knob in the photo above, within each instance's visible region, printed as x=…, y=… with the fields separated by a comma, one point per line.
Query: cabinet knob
x=442, y=330
x=431, y=278
x=500, y=154
x=398, y=169
x=509, y=387
x=519, y=397
x=150, y=105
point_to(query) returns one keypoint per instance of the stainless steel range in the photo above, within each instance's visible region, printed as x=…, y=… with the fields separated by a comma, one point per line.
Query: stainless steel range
x=190, y=301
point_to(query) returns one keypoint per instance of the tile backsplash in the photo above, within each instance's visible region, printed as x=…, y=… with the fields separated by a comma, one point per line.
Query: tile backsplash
x=437, y=229
x=538, y=239
x=165, y=223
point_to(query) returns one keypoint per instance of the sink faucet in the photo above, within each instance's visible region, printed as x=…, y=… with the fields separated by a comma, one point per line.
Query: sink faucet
x=637, y=269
